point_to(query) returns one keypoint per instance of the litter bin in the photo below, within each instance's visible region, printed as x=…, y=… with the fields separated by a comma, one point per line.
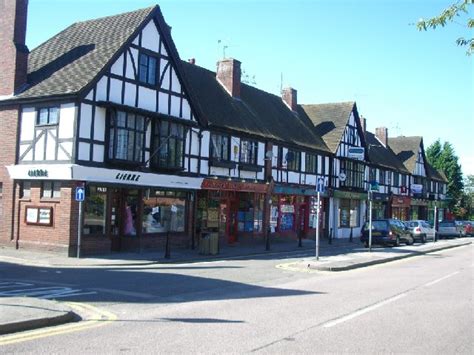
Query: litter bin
x=214, y=243
x=204, y=244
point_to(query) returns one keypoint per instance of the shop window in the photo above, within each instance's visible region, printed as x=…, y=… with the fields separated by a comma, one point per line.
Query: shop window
x=349, y=213
x=163, y=212
x=220, y=147
x=168, y=145
x=47, y=116
x=25, y=189
x=51, y=189
x=310, y=164
x=293, y=160
x=127, y=137
x=147, y=69
x=94, y=210
x=248, y=152
x=287, y=214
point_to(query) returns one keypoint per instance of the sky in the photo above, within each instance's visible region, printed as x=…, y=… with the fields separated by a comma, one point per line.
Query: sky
x=368, y=51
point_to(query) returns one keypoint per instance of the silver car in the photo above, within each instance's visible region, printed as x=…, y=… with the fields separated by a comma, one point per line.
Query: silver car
x=448, y=229
x=421, y=230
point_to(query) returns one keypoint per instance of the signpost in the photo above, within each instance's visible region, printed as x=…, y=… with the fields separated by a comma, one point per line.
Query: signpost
x=79, y=196
x=374, y=186
x=319, y=189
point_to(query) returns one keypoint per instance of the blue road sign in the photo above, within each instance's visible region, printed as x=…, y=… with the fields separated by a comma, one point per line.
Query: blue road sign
x=320, y=185
x=80, y=194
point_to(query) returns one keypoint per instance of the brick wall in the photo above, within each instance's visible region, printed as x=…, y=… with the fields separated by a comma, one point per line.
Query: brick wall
x=8, y=133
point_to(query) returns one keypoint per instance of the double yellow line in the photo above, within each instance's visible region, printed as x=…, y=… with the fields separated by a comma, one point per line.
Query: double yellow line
x=95, y=318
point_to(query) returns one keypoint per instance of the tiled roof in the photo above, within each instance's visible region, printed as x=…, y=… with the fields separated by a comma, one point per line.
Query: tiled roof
x=330, y=120
x=255, y=113
x=435, y=174
x=406, y=149
x=382, y=156
x=69, y=61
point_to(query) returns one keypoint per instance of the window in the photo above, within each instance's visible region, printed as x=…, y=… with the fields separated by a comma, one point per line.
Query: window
x=396, y=179
x=51, y=189
x=372, y=175
x=127, y=137
x=220, y=147
x=354, y=174
x=164, y=211
x=349, y=213
x=25, y=189
x=95, y=210
x=147, y=69
x=293, y=160
x=168, y=145
x=310, y=163
x=48, y=116
x=248, y=152
x=382, y=177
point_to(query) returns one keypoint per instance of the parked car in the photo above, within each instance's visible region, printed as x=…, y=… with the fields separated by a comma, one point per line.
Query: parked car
x=449, y=229
x=421, y=231
x=467, y=228
x=386, y=232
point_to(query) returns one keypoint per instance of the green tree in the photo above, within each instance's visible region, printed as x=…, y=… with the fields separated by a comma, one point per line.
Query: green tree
x=443, y=158
x=469, y=196
x=450, y=14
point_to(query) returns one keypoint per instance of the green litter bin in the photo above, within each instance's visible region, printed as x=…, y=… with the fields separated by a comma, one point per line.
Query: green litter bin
x=204, y=244
x=214, y=243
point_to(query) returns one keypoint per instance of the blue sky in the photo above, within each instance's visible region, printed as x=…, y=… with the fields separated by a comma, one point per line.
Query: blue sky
x=414, y=83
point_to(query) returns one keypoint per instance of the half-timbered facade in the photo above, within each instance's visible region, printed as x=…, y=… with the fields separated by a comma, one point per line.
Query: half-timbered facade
x=339, y=125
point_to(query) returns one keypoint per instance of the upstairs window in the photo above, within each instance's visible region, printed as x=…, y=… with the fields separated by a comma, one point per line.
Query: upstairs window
x=220, y=147
x=310, y=164
x=168, y=145
x=127, y=137
x=147, y=69
x=293, y=160
x=248, y=152
x=51, y=189
x=47, y=116
x=354, y=174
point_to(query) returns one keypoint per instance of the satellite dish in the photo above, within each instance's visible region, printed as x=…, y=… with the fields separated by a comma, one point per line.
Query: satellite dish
x=269, y=155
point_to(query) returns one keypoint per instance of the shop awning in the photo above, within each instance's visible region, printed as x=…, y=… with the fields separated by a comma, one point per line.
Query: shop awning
x=102, y=175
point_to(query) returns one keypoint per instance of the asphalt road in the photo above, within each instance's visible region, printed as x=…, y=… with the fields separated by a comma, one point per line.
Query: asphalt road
x=419, y=305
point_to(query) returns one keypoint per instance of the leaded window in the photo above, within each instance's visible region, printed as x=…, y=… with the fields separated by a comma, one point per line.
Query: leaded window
x=220, y=147
x=248, y=152
x=47, y=116
x=293, y=160
x=127, y=137
x=310, y=163
x=168, y=145
x=354, y=174
x=147, y=69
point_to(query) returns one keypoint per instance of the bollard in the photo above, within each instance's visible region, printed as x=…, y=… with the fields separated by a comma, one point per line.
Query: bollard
x=350, y=235
x=267, y=239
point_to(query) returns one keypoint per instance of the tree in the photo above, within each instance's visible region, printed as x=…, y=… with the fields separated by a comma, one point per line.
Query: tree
x=449, y=15
x=444, y=159
x=469, y=196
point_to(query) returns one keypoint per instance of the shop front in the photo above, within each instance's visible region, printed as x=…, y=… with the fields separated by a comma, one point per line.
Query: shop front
x=440, y=206
x=293, y=211
x=418, y=209
x=122, y=210
x=401, y=207
x=233, y=210
x=349, y=209
x=380, y=205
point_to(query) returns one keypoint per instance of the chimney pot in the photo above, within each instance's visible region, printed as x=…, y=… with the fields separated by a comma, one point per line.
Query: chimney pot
x=192, y=60
x=363, y=123
x=228, y=75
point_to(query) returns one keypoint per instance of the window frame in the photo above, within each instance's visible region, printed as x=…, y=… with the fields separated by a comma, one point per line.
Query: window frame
x=294, y=164
x=161, y=141
x=311, y=167
x=54, y=191
x=252, y=152
x=220, y=156
x=147, y=79
x=48, y=122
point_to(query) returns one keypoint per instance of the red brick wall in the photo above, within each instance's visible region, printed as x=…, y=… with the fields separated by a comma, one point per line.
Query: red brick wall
x=8, y=132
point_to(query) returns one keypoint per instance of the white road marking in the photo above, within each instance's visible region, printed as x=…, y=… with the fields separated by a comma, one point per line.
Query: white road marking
x=431, y=283
x=21, y=289
x=363, y=311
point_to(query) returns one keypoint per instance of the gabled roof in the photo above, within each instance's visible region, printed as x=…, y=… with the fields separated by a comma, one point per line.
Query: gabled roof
x=406, y=149
x=435, y=174
x=69, y=61
x=256, y=112
x=330, y=120
x=382, y=156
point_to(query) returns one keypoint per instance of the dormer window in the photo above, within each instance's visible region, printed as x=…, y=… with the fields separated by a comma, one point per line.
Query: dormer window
x=147, y=69
x=47, y=116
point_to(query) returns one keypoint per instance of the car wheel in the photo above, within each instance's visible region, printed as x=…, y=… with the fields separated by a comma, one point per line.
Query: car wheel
x=410, y=241
x=423, y=239
x=366, y=244
x=397, y=242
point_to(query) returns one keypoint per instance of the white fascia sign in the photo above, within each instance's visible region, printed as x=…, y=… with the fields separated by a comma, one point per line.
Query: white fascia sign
x=357, y=153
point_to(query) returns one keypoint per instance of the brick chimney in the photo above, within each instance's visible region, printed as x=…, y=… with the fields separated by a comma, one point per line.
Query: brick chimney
x=289, y=97
x=14, y=56
x=228, y=75
x=382, y=135
x=363, y=123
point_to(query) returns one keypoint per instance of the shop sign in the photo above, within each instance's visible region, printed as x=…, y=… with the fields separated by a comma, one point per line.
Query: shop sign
x=290, y=190
x=287, y=209
x=401, y=201
x=38, y=173
x=417, y=202
x=225, y=185
x=356, y=153
x=379, y=197
x=417, y=188
x=127, y=177
x=350, y=195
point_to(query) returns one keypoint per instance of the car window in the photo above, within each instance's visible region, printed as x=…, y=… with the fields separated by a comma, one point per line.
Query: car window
x=446, y=224
x=412, y=224
x=379, y=225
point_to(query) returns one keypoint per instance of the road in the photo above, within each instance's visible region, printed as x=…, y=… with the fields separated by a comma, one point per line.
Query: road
x=419, y=305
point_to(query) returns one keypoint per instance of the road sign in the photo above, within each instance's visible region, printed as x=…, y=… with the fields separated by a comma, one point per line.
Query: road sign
x=320, y=185
x=80, y=194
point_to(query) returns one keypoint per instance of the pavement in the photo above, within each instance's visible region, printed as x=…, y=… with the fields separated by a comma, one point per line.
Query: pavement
x=26, y=313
